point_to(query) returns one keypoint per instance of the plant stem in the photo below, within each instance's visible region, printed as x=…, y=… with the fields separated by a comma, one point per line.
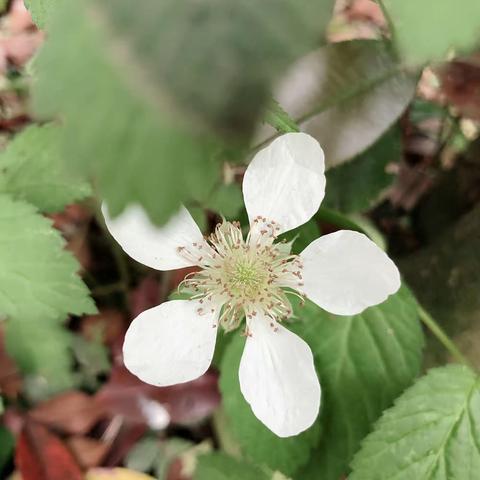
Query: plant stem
x=442, y=337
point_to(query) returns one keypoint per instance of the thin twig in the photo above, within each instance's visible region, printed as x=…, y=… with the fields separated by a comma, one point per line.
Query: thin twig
x=442, y=337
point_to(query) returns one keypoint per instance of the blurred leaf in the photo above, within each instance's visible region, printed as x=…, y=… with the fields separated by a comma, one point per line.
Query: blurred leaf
x=449, y=269
x=364, y=362
x=347, y=95
x=7, y=442
x=257, y=441
x=178, y=68
x=279, y=119
x=32, y=169
x=41, y=10
x=92, y=357
x=433, y=431
x=356, y=186
x=72, y=412
x=218, y=466
x=115, y=474
x=425, y=31
x=41, y=455
x=186, y=403
x=227, y=200
x=43, y=349
x=143, y=455
x=152, y=454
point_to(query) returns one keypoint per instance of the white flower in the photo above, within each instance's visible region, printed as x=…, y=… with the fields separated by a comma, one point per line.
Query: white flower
x=343, y=273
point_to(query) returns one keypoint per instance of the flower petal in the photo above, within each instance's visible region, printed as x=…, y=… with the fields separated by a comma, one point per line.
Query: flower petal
x=154, y=246
x=171, y=343
x=345, y=272
x=278, y=378
x=285, y=182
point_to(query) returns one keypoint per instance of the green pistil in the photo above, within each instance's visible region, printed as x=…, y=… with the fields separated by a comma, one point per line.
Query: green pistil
x=246, y=279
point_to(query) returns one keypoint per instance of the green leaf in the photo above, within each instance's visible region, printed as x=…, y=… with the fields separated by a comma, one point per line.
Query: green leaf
x=42, y=349
x=217, y=466
x=347, y=95
x=186, y=74
x=7, y=442
x=279, y=119
x=32, y=169
x=257, y=441
x=356, y=186
x=41, y=10
x=39, y=287
x=425, y=31
x=432, y=432
x=227, y=200
x=38, y=278
x=364, y=362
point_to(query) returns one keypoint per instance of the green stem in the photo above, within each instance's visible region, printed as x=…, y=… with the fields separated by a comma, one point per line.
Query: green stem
x=442, y=337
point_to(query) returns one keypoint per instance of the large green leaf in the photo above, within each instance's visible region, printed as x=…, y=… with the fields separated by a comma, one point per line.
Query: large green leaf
x=432, y=432
x=32, y=169
x=426, y=30
x=157, y=86
x=39, y=287
x=38, y=278
x=356, y=186
x=259, y=443
x=364, y=363
x=347, y=95
x=217, y=466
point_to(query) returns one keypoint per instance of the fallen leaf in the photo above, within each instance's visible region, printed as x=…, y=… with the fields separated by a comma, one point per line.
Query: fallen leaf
x=88, y=451
x=186, y=403
x=40, y=455
x=70, y=412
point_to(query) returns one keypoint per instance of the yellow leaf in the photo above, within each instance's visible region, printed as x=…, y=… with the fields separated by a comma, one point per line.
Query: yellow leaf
x=115, y=474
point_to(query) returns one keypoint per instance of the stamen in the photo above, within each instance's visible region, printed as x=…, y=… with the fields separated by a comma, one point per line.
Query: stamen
x=247, y=277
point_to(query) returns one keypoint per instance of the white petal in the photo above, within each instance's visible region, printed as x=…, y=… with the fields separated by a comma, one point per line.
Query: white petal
x=154, y=246
x=345, y=272
x=171, y=343
x=285, y=182
x=278, y=378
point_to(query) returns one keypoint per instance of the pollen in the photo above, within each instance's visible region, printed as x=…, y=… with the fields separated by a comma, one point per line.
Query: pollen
x=243, y=275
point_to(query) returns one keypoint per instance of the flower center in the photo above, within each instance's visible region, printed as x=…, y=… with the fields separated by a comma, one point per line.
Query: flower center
x=243, y=276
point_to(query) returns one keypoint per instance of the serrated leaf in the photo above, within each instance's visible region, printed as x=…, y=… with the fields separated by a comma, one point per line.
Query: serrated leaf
x=39, y=287
x=364, y=363
x=38, y=278
x=41, y=10
x=356, y=186
x=425, y=31
x=432, y=432
x=217, y=466
x=259, y=443
x=181, y=69
x=347, y=95
x=32, y=169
